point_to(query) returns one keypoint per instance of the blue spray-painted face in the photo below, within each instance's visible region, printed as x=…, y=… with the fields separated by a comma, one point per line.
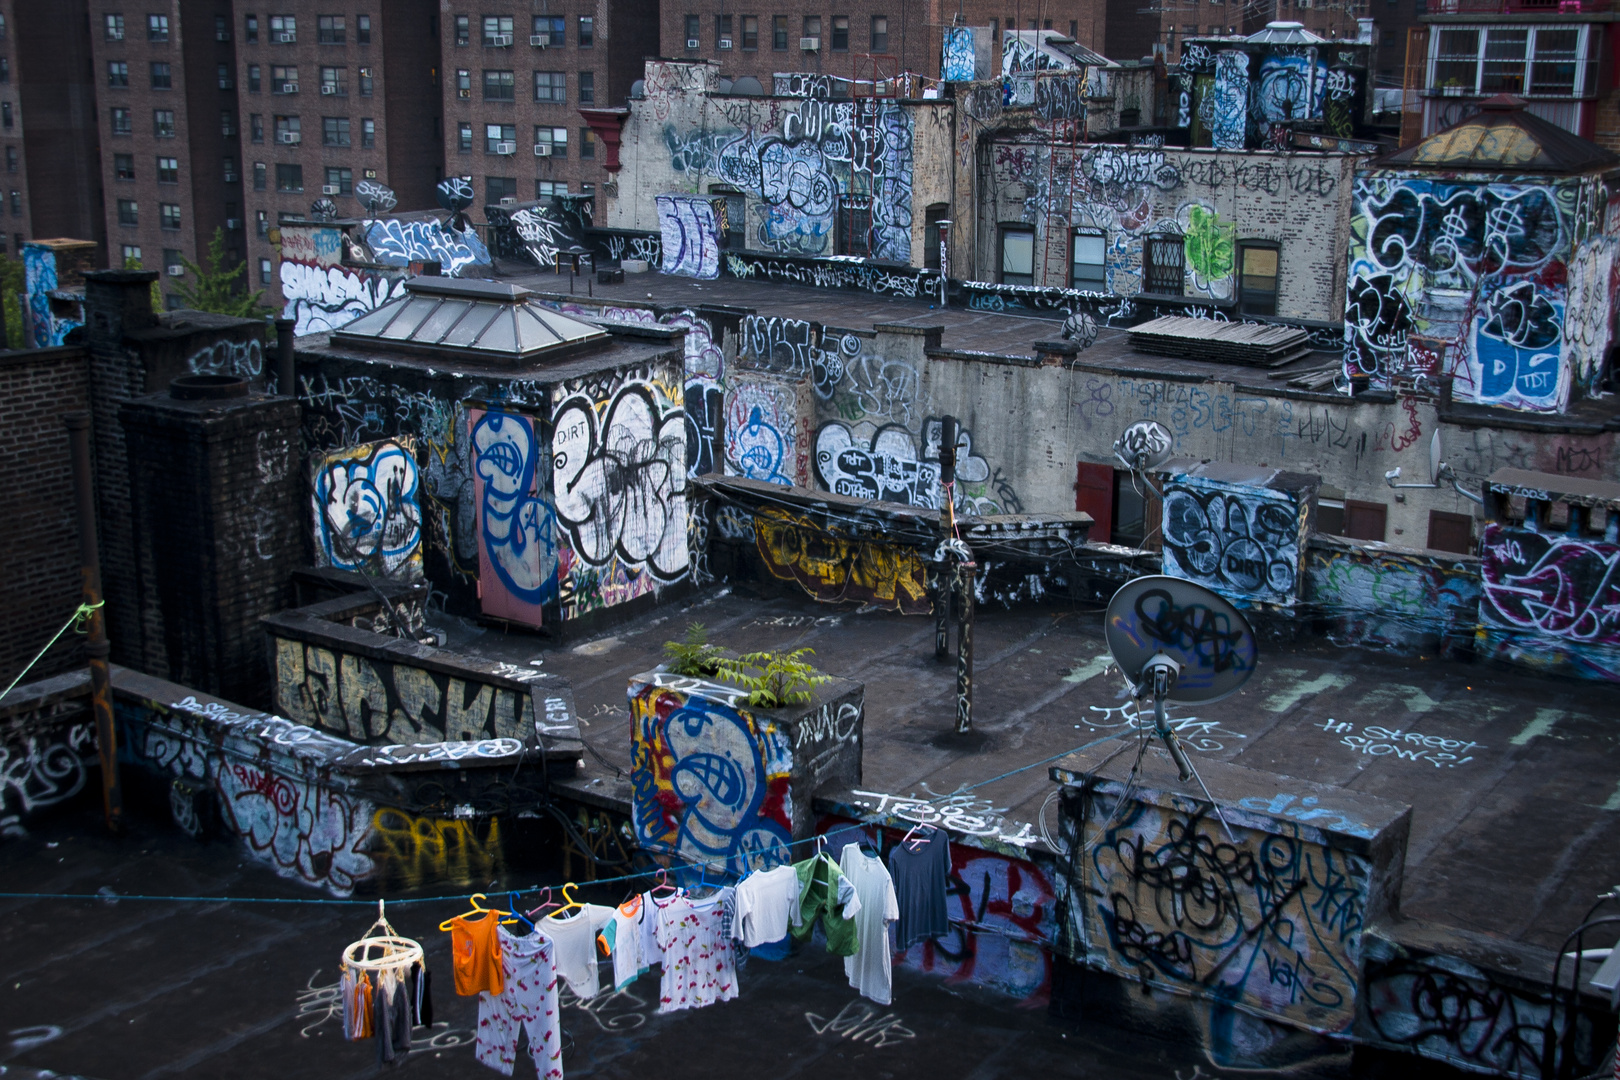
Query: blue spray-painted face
x=517, y=526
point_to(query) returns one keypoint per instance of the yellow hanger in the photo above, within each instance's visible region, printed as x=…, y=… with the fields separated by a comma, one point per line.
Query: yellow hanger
x=569, y=903
x=477, y=909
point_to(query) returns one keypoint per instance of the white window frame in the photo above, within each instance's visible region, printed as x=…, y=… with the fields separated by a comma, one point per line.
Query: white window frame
x=1584, y=61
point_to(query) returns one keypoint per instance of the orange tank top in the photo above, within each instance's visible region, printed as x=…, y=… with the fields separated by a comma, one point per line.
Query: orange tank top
x=476, y=955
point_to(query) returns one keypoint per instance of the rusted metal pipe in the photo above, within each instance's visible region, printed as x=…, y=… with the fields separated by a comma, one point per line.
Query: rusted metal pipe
x=285, y=378
x=96, y=646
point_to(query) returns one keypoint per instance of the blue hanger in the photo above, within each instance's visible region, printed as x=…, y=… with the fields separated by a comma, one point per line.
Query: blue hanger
x=511, y=901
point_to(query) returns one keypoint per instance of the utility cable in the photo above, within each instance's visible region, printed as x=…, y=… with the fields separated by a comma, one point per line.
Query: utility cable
x=80, y=616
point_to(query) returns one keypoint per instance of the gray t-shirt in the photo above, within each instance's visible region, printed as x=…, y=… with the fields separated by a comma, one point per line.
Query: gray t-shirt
x=919, y=884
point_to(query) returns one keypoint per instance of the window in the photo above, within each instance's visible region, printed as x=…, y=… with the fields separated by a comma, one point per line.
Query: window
x=587, y=144
x=227, y=168
x=365, y=82
x=157, y=28
x=124, y=166
x=464, y=138
x=168, y=170
x=132, y=256
x=334, y=131
x=284, y=79
x=812, y=26
x=1086, y=264
x=496, y=134
x=113, y=27
x=550, y=30
x=1017, y=255
x=840, y=33
x=854, y=225
x=1164, y=269
x=261, y=222
x=554, y=137
x=463, y=30
x=545, y=189
x=227, y=123
x=722, y=31
x=330, y=29
x=499, y=86
x=264, y=268
x=227, y=80
x=5, y=69
x=497, y=31
x=779, y=32
x=463, y=83
x=6, y=119
x=497, y=188
x=222, y=28
x=169, y=213
x=362, y=29
x=750, y=31
x=260, y=171
x=1257, y=279
x=289, y=178
x=16, y=203
x=172, y=257
x=332, y=83
x=368, y=132
x=11, y=159
x=289, y=131
x=128, y=212
x=253, y=78
x=340, y=178
x=587, y=88
x=163, y=123
x=1538, y=61
x=1451, y=532
x=1074, y=29
x=694, y=28
x=587, y=32
x=880, y=33
x=551, y=87
x=162, y=79
x=283, y=29
x=250, y=28
x=257, y=122
x=117, y=73
x=1364, y=520
x=121, y=124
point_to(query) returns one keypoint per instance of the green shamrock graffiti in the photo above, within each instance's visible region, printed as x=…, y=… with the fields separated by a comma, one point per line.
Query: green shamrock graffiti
x=1209, y=244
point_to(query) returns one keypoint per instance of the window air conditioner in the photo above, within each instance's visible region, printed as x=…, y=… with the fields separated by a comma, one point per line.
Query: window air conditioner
x=539, y=41
x=223, y=35
x=329, y=88
x=463, y=93
x=508, y=201
x=289, y=88
x=725, y=43
x=691, y=43
x=542, y=149
x=331, y=189
x=506, y=148
x=501, y=41
x=289, y=138
x=177, y=271
x=233, y=223
x=286, y=37
x=809, y=44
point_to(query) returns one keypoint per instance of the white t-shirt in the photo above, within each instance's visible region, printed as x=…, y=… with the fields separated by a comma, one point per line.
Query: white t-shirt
x=767, y=902
x=700, y=965
x=623, y=934
x=868, y=969
x=574, y=939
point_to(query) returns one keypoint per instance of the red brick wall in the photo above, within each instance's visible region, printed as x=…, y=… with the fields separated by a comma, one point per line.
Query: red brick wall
x=39, y=551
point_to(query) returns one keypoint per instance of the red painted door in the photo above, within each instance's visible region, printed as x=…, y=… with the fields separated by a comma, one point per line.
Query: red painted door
x=1094, y=494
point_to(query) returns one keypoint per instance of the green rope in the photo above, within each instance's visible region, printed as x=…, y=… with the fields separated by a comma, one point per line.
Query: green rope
x=80, y=615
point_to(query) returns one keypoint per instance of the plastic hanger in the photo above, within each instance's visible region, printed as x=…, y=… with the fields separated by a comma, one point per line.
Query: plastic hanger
x=921, y=840
x=663, y=883
x=518, y=916
x=477, y=909
x=546, y=903
x=569, y=903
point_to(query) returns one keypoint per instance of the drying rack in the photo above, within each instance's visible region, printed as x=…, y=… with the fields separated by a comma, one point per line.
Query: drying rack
x=386, y=951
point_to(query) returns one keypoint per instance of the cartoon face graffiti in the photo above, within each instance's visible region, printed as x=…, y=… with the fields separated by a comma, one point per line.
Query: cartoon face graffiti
x=518, y=527
x=367, y=510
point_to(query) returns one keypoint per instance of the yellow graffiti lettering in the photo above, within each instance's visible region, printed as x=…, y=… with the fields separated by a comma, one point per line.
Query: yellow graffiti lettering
x=832, y=567
x=410, y=851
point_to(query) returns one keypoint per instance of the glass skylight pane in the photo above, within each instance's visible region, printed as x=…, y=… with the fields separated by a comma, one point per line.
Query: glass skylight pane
x=441, y=321
x=416, y=309
x=467, y=330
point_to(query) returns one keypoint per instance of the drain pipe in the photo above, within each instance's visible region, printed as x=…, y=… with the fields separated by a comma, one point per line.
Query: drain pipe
x=96, y=646
x=285, y=379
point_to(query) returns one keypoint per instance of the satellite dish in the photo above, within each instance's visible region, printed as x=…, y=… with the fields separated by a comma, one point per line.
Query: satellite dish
x=1179, y=642
x=323, y=209
x=455, y=193
x=376, y=197
x=1144, y=444
x=1434, y=457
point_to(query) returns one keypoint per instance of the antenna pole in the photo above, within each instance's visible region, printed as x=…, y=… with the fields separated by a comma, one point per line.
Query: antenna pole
x=1160, y=674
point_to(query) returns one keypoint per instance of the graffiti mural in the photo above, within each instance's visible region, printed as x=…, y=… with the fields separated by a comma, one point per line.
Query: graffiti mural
x=1225, y=110
x=408, y=851
x=832, y=567
x=1479, y=267
x=767, y=426
x=886, y=468
x=692, y=227
x=321, y=299
x=399, y=243
x=44, y=761
x=1393, y=600
x=367, y=511
x=710, y=780
x=619, y=485
x=226, y=357
x=1594, y=279
x=48, y=328
x=1562, y=589
x=958, y=63
x=1242, y=541
x=517, y=554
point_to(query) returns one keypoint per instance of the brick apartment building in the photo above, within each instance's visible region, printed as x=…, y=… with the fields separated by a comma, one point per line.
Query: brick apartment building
x=1332, y=19
x=331, y=94
x=514, y=82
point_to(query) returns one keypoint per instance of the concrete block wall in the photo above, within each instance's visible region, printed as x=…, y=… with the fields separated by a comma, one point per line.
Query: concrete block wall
x=216, y=516
x=41, y=584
